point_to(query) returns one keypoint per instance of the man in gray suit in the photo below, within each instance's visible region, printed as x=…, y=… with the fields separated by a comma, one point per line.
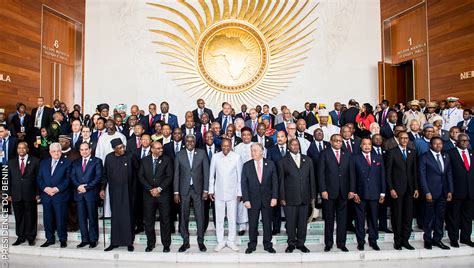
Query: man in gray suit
x=191, y=183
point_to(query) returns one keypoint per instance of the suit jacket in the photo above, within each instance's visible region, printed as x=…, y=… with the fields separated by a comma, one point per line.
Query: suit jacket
x=60, y=178
x=370, y=179
x=268, y=141
x=172, y=120
x=402, y=175
x=196, y=134
x=15, y=125
x=355, y=146
x=314, y=153
x=259, y=194
x=161, y=179
x=392, y=143
x=335, y=120
x=274, y=154
x=248, y=124
x=386, y=131
x=241, y=115
x=338, y=179
x=309, y=118
x=432, y=179
x=297, y=185
x=469, y=130
x=92, y=177
x=183, y=172
x=380, y=116
x=168, y=149
x=463, y=180
x=47, y=117
x=206, y=110
x=92, y=143
x=12, y=144
x=145, y=121
x=448, y=145
x=23, y=187
x=75, y=146
x=349, y=116
x=95, y=135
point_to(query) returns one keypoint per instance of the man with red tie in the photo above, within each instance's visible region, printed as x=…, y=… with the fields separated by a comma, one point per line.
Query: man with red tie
x=461, y=209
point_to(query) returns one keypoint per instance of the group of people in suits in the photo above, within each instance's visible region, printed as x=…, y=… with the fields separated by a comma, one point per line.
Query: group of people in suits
x=246, y=168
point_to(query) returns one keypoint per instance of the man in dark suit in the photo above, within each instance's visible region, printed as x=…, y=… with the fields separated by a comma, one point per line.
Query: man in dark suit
x=225, y=118
x=191, y=184
x=267, y=142
x=450, y=141
x=22, y=191
x=297, y=192
x=21, y=125
x=75, y=135
x=8, y=145
x=86, y=138
x=308, y=114
x=317, y=146
x=176, y=145
x=436, y=182
x=200, y=110
x=42, y=116
x=243, y=114
x=275, y=153
x=393, y=142
x=467, y=125
x=53, y=182
x=211, y=149
x=149, y=120
x=336, y=184
x=370, y=191
x=387, y=130
x=259, y=184
x=286, y=119
x=189, y=127
x=267, y=113
x=167, y=117
x=336, y=114
x=383, y=114
x=86, y=178
x=461, y=209
x=156, y=176
x=230, y=134
x=349, y=115
x=134, y=142
x=100, y=129
x=349, y=144
x=402, y=182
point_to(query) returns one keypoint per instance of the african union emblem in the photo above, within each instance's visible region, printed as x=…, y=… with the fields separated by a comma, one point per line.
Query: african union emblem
x=241, y=53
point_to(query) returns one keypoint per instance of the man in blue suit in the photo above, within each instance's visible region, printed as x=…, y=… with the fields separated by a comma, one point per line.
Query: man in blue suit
x=450, y=142
x=166, y=117
x=467, y=125
x=86, y=177
x=336, y=114
x=370, y=191
x=53, y=182
x=148, y=121
x=436, y=181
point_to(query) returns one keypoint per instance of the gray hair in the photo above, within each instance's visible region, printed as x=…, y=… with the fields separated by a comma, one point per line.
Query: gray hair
x=191, y=136
x=55, y=146
x=257, y=144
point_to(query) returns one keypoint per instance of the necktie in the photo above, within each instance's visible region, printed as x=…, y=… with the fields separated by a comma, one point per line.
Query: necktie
x=163, y=118
x=416, y=136
x=384, y=117
x=155, y=161
x=404, y=153
x=224, y=125
x=100, y=133
x=297, y=160
x=378, y=151
x=53, y=166
x=84, y=164
x=209, y=154
x=22, y=166
x=150, y=122
x=438, y=159
x=338, y=158
x=204, y=130
x=38, y=117
x=301, y=135
x=465, y=160
x=338, y=115
x=176, y=149
x=320, y=147
x=348, y=145
x=244, y=115
x=3, y=150
x=253, y=125
x=143, y=152
x=368, y=159
x=282, y=151
x=259, y=171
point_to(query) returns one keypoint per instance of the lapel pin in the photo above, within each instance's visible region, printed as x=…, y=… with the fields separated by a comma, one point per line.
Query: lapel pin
x=61, y=162
x=373, y=161
x=125, y=164
x=90, y=159
x=159, y=162
x=409, y=151
x=28, y=162
x=265, y=163
x=304, y=160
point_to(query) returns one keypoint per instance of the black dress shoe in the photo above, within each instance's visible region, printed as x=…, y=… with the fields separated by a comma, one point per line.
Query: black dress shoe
x=110, y=248
x=440, y=245
x=351, y=228
x=183, y=247
x=290, y=249
x=249, y=250
x=275, y=232
x=149, y=248
x=427, y=245
x=327, y=248
x=130, y=248
x=63, y=244
x=166, y=249
x=343, y=249
x=469, y=243
x=385, y=230
x=18, y=242
x=83, y=244
x=31, y=242
x=270, y=250
x=47, y=244
x=374, y=246
x=360, y=247
x=139, y=230
x=93, y=245
x=202, y=247
x=454, y=244
x=303, y=249
x=241, y=233
x=397, y=246
x=408, y=246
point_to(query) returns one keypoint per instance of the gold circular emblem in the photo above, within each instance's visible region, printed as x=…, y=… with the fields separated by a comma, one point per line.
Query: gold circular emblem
x=232, y=56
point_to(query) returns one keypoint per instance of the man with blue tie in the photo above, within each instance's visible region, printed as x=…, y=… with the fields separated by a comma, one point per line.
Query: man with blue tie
x=211, y=149
x=53, y=182
x=76, y=134
x=167, y=117
x=436, y=181
x=370, y=191
x=225, y=119
x=86, y=177
x=8, y=145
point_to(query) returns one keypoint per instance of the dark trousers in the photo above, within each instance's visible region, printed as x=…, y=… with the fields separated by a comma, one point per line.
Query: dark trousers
x=254, y=215
x=459, y=216
x=367, y=209
x=26, y=219
x=139, y=207
x=72, y=220
x=383, y=212
x=434, y=219
x=163, y=205
x=55, y=215
x=296, y=223
x=335, y=207
x=87, y=212
x=419, y=214
x=402, y=218
x=196, y=199
x=351, y=214
x=276, y=218
x=208, y=204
